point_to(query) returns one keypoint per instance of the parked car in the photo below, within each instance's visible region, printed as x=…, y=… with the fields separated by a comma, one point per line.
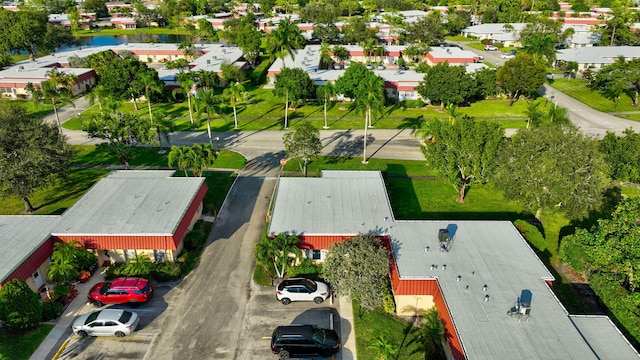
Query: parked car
x=107, y=322
x=121, y=290
x=369, y=67
x=446, y=44
x=380, y=67
x=304, y=340
x=490, y=48
x=507, y=56
x=301, y=289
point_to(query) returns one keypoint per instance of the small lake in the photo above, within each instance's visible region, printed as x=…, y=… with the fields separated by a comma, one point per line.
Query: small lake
x=135, y=38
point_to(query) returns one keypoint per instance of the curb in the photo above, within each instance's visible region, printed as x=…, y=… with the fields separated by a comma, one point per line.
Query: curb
x=60, y=350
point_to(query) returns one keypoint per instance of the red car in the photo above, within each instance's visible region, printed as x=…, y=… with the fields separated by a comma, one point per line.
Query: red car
x=121, y=290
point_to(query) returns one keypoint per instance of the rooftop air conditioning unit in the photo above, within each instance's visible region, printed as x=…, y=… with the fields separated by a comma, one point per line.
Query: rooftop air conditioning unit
x=444, y=239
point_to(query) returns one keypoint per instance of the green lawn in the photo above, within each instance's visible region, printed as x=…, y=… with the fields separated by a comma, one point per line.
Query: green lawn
x=578, y=89
x=265, y=111
x=370, y=325
x=32, y=107
x=21, y=346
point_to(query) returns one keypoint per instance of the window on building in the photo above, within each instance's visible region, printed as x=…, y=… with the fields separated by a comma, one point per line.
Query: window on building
x=129, y=254
x=159, y=255
x=316, y=255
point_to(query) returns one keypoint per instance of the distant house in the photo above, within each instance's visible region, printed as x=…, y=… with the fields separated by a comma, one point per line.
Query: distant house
x=124, y=23
x=596, y=57
x=490, y=289
x=127, y=212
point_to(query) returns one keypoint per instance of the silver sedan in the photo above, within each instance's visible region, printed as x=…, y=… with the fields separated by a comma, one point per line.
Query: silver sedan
x=107, y=322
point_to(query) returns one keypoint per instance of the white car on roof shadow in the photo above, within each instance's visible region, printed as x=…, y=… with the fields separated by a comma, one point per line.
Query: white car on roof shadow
x=107, y=322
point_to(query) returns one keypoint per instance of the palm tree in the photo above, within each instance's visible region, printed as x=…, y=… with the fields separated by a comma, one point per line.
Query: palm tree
x=326, y=92
x=453, y=112
x=186, y=81
x=139, y=265
x=431, y=333
x=383, y=347
x=202, y=155
x=341, y=53
x=62, y=270
x=370, y=100
x=281, y=252
x=55, y=90
x=534, y=115
x=368, y=48
x=380, y=51
x=180, y=155
x=325, y=55
x=284, y=86
x=163, y=127
x=207, y=79
x=148, y=83
x=236, y=93
x=284, y=40
x=208, y=101
x=99, y=94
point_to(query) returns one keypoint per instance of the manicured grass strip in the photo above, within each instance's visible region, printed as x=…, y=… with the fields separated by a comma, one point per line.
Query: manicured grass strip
x=21, y=346
x=148, y=156
x=578, y=89
x=59, y=196
x=393, y=167
x=32, y=107
x=219, y=183
x=370, y=325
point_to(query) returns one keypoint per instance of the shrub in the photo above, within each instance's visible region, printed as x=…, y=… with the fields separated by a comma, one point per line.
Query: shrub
x=389, y=304
x=51, y=310
x=621, y=304
x=20, y=307
x=258, y=75
x=413, y=104
x=306, y=267
x=531, y=234
x=262, y=277
x=114, y=271
x=60, y=292
x=166, y=271
x=194, y=239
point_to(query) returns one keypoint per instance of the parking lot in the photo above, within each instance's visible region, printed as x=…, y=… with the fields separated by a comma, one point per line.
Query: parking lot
x=263, y=314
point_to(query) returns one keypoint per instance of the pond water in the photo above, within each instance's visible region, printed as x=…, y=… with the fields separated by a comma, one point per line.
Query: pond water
x=121, y=39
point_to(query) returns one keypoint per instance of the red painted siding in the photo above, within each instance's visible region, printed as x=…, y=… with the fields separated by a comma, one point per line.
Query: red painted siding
x=182, y=228
x=320, y=242
x=137, y=242
x=29, y=266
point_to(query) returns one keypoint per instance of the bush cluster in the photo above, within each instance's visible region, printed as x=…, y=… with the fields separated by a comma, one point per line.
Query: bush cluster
x=162, y=271
x=20, y=307
x=51, y=310
x=531, y=234
x=413, y=104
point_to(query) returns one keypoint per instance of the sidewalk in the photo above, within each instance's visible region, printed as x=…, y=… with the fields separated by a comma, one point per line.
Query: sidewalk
x=348, y=351
x=62, y=330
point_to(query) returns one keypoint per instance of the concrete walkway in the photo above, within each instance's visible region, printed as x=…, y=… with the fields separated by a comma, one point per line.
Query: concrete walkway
x=56, y=340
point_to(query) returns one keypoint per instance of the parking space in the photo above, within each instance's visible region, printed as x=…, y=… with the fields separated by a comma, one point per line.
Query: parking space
x=264, y=313
x=130, y=347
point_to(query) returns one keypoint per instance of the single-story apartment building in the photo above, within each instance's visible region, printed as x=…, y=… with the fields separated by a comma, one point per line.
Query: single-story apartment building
x=490, y=289
x=127, y=212
x=596, y=57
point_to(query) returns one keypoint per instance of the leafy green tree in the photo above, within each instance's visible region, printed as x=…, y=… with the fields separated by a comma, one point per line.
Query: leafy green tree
x=56, y=90
x=207, y=79
x=122, y=132
x=457, y=20
x=620, y=77
x=370, y=98
x=293, y=85
x=302, y=143
x=428, y=30
x=347, y=83
x=431, y=334
x=28, y=30
x=621, y=153
x=520, y=76
x=617, y=29
x=356, y=31
x=610, y=247
x=358, y=268
x=325, y=32
x=447, y=84
x=186, y=81
x=383, y=347
x=232, y=74
x=341, y=53
x=236, y=93
x=118, y=75
x=148, y=83
x=96, y=6
x=552, y=167
x=325, y=93
x=463, y=152
x=32, y=153
x=281, y=252
x=20, y=308
x=541, y=35
x=202, y=156
x=163, y=127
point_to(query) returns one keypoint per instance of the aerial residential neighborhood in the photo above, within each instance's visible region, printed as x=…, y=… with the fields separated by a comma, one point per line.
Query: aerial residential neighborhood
x=344, y=180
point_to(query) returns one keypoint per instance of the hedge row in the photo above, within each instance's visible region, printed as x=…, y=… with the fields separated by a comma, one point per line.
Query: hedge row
x=531, y=234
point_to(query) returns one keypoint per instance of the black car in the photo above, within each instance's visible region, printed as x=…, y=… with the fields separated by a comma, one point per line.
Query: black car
x=304, y=340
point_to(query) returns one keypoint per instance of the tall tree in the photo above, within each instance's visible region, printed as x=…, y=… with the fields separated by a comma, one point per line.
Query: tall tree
x=302, y=143
x=552, y=167
x=32, y=153
x=293, y=85
x=520, y=76
x=148, y=83
x=428, y=30
x=182, y=157
x=55, y=90
x=236, y=93
x=620, y=77
x=186, y=81
x=325, y=93
x=432, y=333
x=202, y=156
x=621, y=153
x=281, y=252
x=28, y=30
x=208, y=102
x=463, y=152
x=369, y=101
x=284, y=40
x=122, y=132
x=358, y=268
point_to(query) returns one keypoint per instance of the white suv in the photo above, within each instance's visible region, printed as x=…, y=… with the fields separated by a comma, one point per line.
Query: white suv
x=490, y=48
x=301, y=289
